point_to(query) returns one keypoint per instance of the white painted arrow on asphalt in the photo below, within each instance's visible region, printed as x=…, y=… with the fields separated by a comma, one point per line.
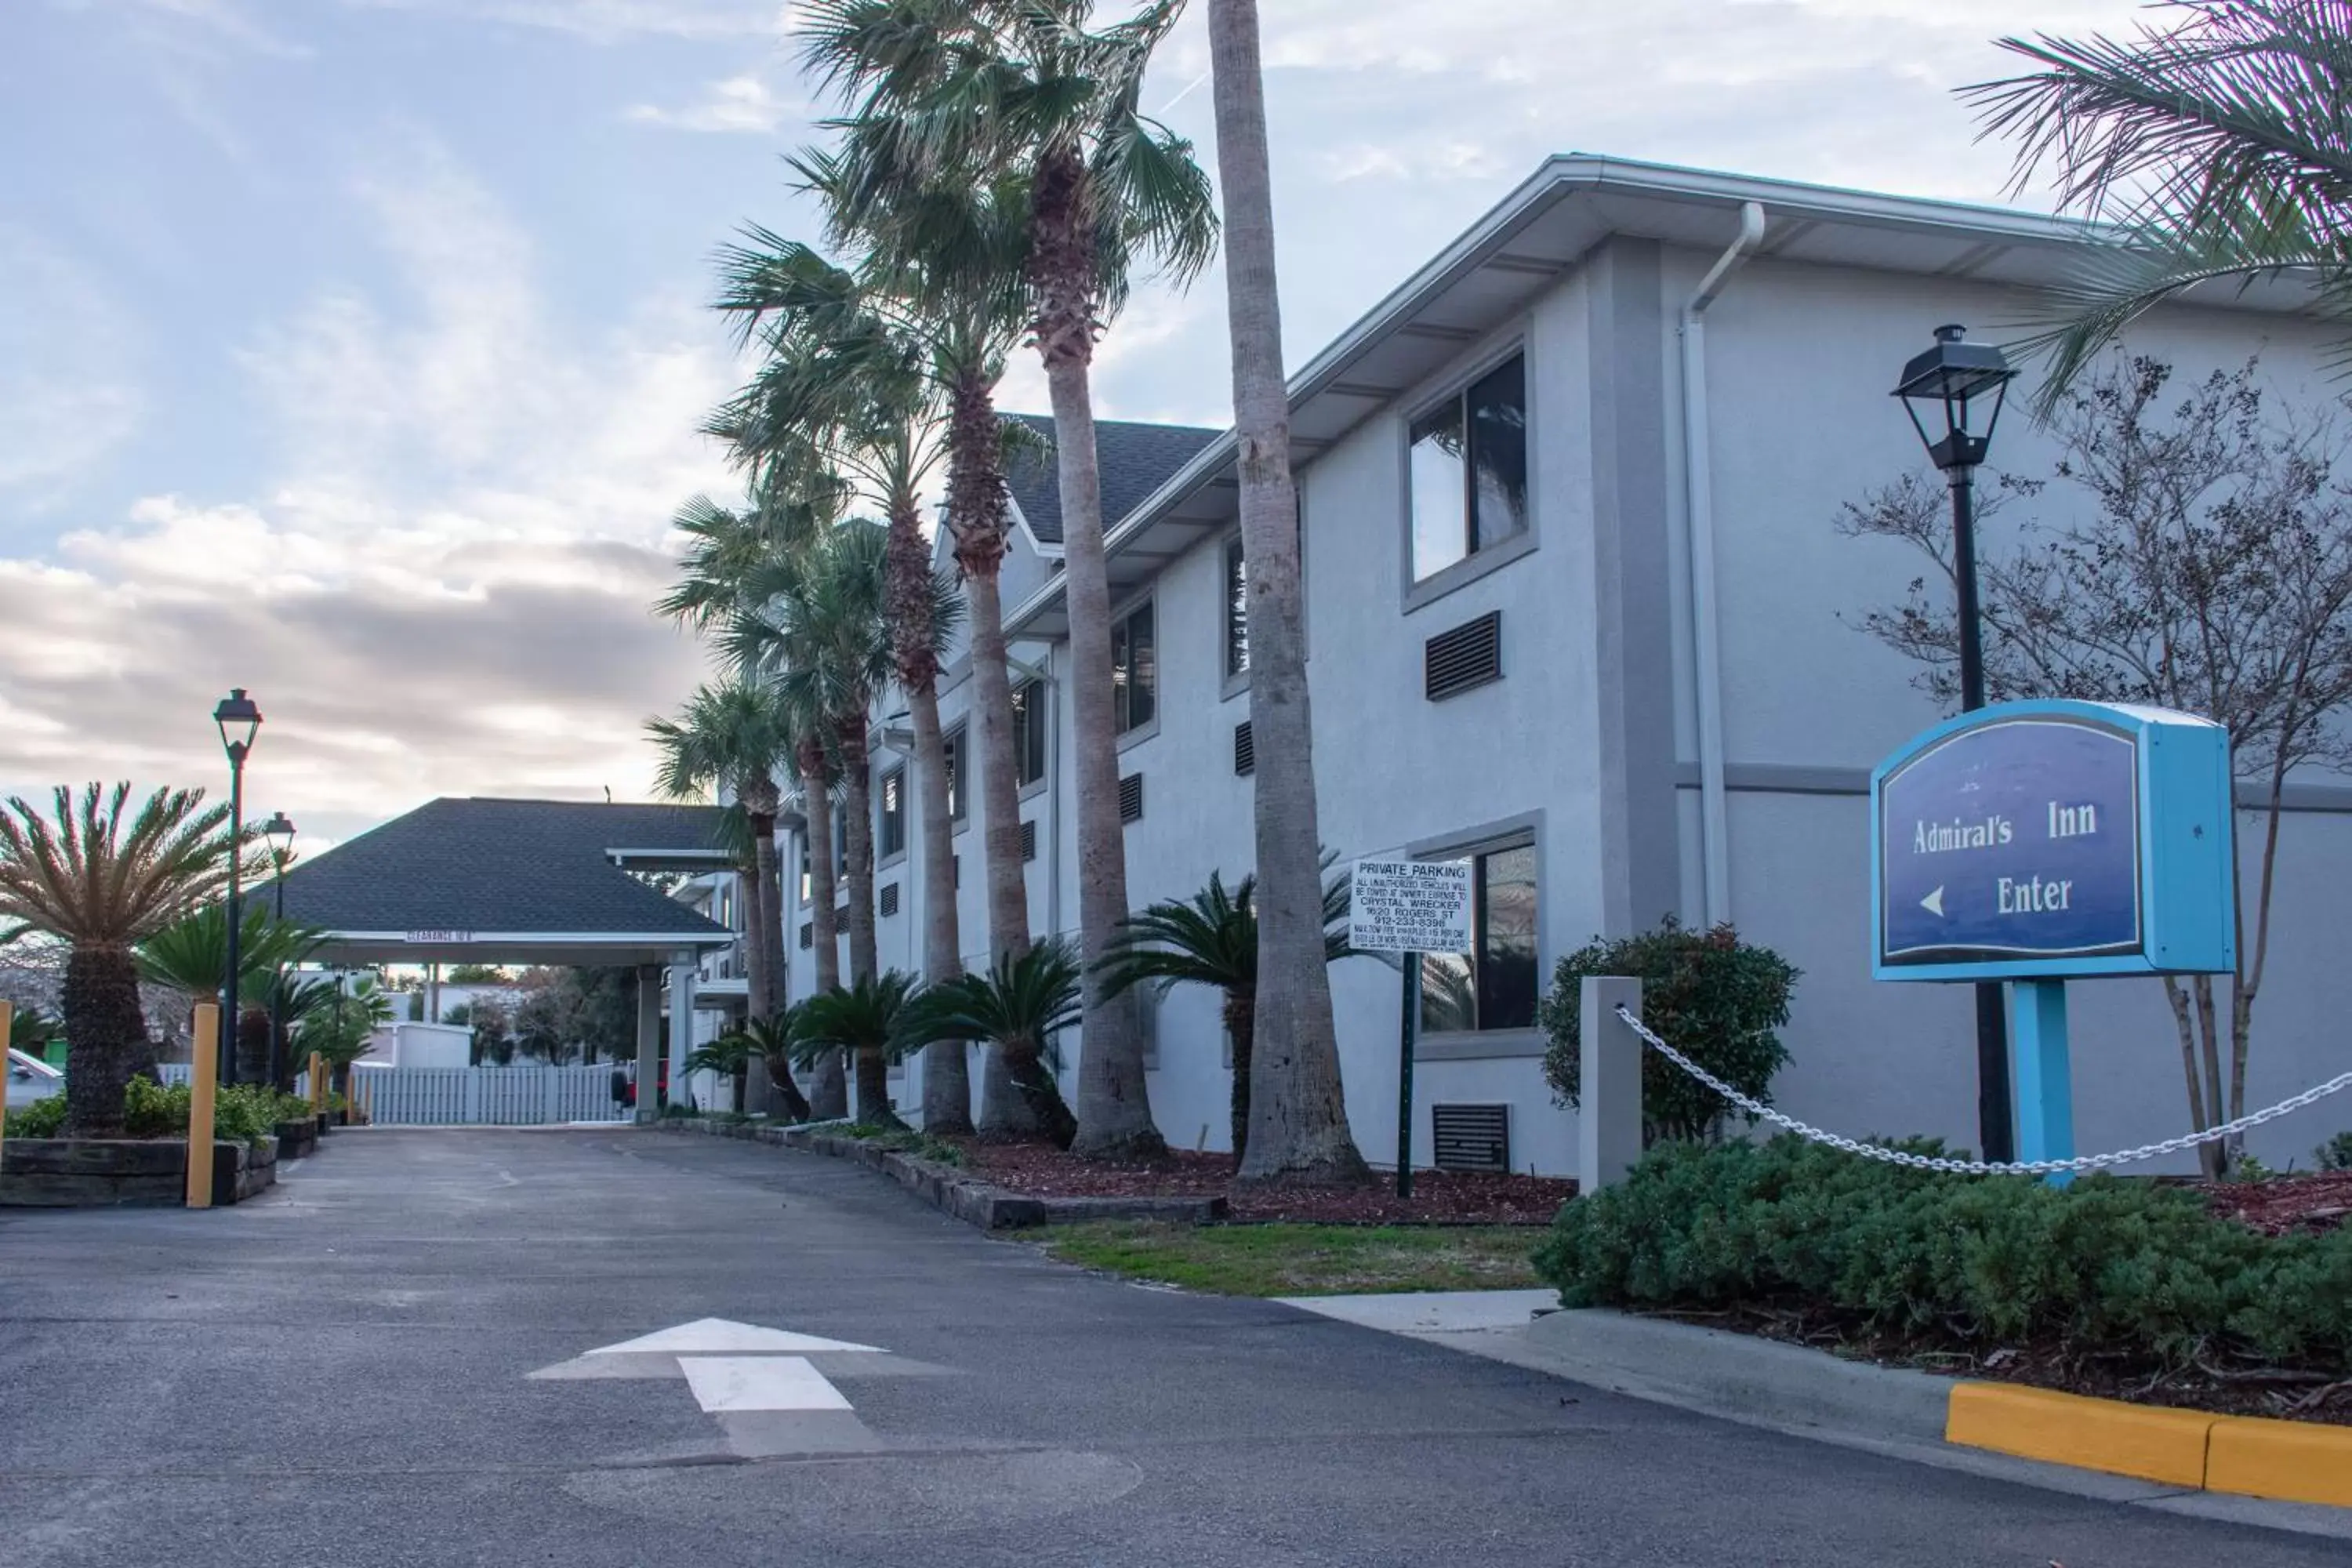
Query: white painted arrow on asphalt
x=724, y=1336
x=1934, y=903
x=730, y=1367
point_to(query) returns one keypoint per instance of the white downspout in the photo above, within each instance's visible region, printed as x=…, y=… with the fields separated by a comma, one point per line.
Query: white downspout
x=1707, y=654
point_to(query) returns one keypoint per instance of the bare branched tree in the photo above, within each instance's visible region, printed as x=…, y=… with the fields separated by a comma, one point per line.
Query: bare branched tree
x=2202, y=563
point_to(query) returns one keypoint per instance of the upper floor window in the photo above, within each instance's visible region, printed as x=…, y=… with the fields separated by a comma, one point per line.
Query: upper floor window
x=1134, y=670
x=1470, y=470
x=890, y=811
x=1236, y=610
x=1492, y=986
x=958, y=750
x=1029, y=731
x=805, y=883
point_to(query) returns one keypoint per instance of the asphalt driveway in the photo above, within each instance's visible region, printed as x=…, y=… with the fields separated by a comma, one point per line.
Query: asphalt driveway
x=341, y=1374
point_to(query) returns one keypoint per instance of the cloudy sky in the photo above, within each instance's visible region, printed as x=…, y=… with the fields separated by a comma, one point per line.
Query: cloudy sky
x=352, y=351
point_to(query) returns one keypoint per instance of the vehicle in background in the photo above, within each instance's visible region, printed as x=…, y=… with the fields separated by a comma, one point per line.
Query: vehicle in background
x=31, y=1079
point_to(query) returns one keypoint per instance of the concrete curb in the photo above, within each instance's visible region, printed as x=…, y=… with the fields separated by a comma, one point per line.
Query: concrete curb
x=1740, y=1374
x=944, y=1187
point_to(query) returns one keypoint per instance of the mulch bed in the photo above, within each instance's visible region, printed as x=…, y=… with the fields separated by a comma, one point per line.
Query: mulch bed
x=1439, y=1197
x=2279, y=1393
x=2318, y=1202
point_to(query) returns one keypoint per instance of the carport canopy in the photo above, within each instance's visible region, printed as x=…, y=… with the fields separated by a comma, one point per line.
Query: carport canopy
x=467, y=879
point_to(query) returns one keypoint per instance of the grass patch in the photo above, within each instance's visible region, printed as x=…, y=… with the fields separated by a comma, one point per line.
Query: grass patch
x=902, y=1140
x=1303, y=1259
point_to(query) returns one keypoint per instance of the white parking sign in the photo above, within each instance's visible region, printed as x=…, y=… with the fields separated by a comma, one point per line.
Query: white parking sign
x=1410, y=906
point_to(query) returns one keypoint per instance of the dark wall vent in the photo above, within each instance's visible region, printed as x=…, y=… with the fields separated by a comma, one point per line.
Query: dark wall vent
x=889, y=899
x=1245, y=749
x=1469, y=656
x=808, y=934
x=1472, y=1137
x=1130, y=798
x=1028, y=841
x=955, y=869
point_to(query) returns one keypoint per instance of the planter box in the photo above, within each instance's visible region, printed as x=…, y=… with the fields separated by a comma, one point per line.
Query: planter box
x=297, y=1139
x=108, y=1173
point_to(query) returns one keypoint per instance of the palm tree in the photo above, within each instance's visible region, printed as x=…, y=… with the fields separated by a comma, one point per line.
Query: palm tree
x=340, y=1030
x=868, y=1019
x=1018, y=1007
x=1215, y=938
x=730, y=1057
x=732, y=735
x=191, y=954
x=2218, y=145
x=773, y=1040
x=842, y=375
x=984, y=89
x=946, y=256
x=101, y=878
x=1303, y=1135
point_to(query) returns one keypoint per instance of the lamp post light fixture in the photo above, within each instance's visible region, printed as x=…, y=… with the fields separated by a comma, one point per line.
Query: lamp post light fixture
x=1954, y=393
x=238, y=718
x=279, y=831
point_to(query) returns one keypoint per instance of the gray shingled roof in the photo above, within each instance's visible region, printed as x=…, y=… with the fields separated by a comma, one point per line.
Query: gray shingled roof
x=1136, y=460
x=473, y=863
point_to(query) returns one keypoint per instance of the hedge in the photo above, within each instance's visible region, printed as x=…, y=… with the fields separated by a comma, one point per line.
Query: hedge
x=2108, y=1266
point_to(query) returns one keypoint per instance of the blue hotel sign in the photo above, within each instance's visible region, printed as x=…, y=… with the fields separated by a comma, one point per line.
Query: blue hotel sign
x=2037, y=840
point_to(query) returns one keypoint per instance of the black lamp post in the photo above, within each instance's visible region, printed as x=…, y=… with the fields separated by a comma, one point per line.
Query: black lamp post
x=1948, y=391
x=279, y=833
x=238, y=718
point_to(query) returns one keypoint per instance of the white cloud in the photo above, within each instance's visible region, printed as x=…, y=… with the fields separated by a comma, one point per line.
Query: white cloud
x=69, y=393
x=609, y=21
x=739, y=103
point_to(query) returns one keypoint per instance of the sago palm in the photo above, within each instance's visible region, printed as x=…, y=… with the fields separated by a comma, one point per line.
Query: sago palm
x=1018, y=1007
x=102, y=876
x=729, y=1057
x=869, y=1020
x=1211, y=938
x=2218, y=145
x=983, y=89
x=191, y=956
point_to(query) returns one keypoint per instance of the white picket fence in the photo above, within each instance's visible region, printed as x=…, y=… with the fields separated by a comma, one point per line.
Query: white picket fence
x=474, y=1097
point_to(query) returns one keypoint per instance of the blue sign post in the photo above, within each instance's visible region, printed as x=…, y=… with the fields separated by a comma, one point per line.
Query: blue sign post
x=2036, y=842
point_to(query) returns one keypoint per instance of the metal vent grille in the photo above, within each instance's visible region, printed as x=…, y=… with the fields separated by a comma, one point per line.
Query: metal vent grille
x=1028, y=841
x=1130, y=798
x=808, y=934
x=1472, y=1137
x=1469, y=656
x=955, y=869
x=889, y=899
x=1245, y=749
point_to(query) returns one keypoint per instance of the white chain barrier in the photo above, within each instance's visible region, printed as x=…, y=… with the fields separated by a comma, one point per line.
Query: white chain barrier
x=1978, y=1167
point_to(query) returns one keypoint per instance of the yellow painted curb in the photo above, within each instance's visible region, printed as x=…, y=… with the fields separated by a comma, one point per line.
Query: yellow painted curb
x=2155, y=1445
x=2292, y=1460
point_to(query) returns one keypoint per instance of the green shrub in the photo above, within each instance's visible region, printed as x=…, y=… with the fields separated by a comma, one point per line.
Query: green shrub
x=2106, y=1266
x=1708, y=994
x=903, y=1140
x=42, y=1119
x=242, y=1113
x=2335, y=1155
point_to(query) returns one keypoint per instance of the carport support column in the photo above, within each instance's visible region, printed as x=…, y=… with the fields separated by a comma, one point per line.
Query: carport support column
x=649, y=1040
x=681, y=1025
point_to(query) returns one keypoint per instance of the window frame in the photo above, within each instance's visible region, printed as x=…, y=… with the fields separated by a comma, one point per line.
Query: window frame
x=1145, y=602
x=1455, y=387
x=1032, y=712
x=1233, y=559
x=885, y=853
x=1524, y=831
x=956, y=748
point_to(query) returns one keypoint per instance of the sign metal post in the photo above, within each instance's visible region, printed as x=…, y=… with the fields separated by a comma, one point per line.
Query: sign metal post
x=1408, y=908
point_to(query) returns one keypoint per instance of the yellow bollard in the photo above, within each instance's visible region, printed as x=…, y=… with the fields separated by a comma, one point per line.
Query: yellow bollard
x=203, y=1071
x=318, y=1087
x=8, y=1021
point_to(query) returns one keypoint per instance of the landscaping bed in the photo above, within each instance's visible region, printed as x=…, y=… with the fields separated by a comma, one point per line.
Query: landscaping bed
x=2116, y=1289
x=2281, y=1205
x=1439, y=1197
x=1285, y=1259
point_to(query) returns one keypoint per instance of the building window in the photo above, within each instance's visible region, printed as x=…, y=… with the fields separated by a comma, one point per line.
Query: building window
x=1492, y=986
x=1029, y=730
x=1236, y=610
x=1134, y=670
x=957, y=750
x=1470, y=470
x=891, y=813
x=805, y=883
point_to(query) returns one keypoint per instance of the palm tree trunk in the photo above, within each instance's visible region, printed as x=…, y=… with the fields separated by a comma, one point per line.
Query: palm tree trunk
x=977, y=517
x=1024, y=1069
x=252, y=1045
x=858, y=792
x=1298, y=1114
x=766, y=902
x=874, y=1108
x=754, y=947
x=947, y=1069
x=1114, y=1103
x=1241, y=1028
x=106, y=1037
x=828, y=1090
